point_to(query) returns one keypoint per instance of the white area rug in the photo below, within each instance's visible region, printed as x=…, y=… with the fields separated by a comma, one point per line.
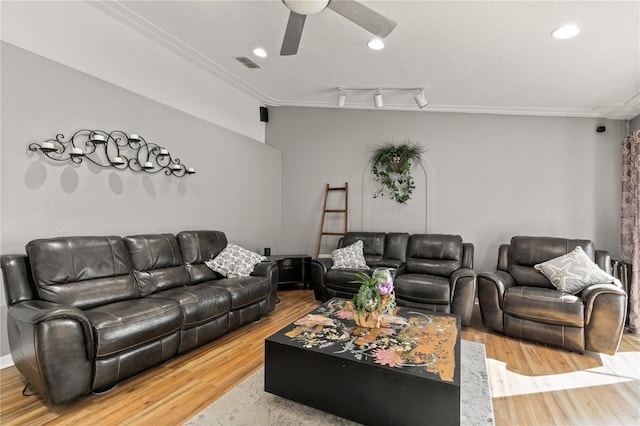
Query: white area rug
x=249, y=404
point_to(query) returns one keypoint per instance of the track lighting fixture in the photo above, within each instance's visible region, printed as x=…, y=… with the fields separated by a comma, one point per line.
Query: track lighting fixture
x=378, y=102
x=377, y=99
x=420, y=99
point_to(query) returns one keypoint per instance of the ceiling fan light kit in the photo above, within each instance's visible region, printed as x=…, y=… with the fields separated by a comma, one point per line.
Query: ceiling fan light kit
x=306, y=7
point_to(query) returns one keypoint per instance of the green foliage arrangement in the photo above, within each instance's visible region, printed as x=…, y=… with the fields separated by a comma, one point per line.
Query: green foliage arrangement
x=367, y=299
x=392, y=169
x=375, y=293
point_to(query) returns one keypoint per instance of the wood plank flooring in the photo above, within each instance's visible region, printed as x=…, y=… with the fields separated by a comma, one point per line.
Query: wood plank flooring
x=531, y=384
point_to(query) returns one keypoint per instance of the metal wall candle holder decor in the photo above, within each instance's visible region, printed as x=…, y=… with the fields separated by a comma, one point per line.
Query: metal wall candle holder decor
x=116, y=149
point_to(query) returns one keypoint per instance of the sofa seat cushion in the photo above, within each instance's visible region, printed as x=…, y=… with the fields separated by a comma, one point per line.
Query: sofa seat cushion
x=388, y=263
x=423, y=288
x=200, y=304
x=127, y=324
x=341, y=279
x=244, y=291
x=544, y=306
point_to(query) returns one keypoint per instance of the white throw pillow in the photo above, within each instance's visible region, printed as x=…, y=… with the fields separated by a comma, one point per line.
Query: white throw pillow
x=235, y=262
x=574, y=271
x=350, y=257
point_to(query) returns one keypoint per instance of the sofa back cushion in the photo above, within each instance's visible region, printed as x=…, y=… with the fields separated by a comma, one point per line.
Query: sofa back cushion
x=82, y=271
x=157, y=261
x=525, y=252
x=434, y=254
x=373, y=244
x=395, y=246
x=197, y=247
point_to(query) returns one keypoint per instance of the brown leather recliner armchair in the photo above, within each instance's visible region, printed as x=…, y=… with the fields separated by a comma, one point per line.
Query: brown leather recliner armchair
x=521, y=302
x=438, y=276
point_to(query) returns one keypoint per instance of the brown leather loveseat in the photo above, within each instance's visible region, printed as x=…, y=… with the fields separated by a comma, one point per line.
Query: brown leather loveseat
x=432, y=271
x=520, y=301
x=85, y=313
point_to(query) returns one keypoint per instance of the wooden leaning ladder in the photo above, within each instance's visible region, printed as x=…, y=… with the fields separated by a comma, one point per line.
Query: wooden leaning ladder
x=344, y=211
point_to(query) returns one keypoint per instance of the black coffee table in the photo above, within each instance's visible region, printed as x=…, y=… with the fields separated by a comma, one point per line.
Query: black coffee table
x=407, y=373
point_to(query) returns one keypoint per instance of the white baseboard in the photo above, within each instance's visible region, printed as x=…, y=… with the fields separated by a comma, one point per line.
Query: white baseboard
x=6, y=361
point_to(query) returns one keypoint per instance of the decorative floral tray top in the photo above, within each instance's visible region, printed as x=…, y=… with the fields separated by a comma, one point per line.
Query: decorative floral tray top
x=413, y=339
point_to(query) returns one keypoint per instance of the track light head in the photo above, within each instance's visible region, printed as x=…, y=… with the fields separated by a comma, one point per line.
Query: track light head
x=420, y=99
x=342, y=98
x=377, y=99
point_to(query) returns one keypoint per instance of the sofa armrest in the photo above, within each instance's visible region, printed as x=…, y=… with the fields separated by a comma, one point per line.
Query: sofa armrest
x=491, y=289
x=16, y=272
x=503, y=257
x=319, y=268
x=605, y=313
x=262, y=269
x=467, y=255
x=463, y=294
x=52, y=346
x=269, y=269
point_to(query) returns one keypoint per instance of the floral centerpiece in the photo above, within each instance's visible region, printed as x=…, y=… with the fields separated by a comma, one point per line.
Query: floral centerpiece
x=374, y=299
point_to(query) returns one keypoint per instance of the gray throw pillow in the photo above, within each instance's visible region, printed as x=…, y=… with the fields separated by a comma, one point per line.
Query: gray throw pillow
x=234, y=261
x=574, y=271
x=350, y=257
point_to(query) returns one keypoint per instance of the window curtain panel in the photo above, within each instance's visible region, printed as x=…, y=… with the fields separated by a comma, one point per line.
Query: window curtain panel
x=631, y=222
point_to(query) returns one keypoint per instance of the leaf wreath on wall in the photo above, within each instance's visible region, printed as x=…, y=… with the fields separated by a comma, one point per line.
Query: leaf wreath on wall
x=391, y=168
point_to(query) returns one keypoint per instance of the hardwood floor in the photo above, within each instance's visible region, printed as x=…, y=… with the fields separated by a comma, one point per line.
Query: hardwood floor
x=530, y=384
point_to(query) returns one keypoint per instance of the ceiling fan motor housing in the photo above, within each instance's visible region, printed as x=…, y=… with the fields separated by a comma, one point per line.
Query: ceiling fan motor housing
x=306, y=7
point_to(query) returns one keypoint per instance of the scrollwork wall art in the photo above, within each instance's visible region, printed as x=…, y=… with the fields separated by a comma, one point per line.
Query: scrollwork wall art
x=115, y=149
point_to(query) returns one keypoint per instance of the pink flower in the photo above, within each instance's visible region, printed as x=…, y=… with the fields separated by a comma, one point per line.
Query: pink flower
x=385, y=288
x=388, y=357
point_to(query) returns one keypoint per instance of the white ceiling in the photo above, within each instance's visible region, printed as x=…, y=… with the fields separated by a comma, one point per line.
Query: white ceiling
x=471, y=56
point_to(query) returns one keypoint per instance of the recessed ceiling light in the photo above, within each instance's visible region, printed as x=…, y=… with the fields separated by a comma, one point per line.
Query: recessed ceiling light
x=565, y=31
x=260, y=52
x=376, y=44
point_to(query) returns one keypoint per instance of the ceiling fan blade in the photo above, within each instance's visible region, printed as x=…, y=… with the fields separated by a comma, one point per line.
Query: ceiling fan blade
x=361, y=15
x=292, y=34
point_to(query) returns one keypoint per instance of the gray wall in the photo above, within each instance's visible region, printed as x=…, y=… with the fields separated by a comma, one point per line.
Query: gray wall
x=236, y=188
x=635, y=124
x=487, y=177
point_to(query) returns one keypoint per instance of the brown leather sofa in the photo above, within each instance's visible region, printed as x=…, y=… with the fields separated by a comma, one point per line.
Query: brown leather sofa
x=521, y=302
x=432, y=271
x=85, y=313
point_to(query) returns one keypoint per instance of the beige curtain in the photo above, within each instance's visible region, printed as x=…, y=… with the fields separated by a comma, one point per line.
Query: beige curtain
x=631, y=222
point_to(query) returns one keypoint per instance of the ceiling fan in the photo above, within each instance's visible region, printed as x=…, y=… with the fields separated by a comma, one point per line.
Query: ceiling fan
x=357, y=13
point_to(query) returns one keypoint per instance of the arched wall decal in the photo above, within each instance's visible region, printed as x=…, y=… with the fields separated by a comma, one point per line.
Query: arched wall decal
x=429, y=199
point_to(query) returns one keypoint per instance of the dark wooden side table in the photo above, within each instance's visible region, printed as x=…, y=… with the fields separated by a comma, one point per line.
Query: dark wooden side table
x=293, y=268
